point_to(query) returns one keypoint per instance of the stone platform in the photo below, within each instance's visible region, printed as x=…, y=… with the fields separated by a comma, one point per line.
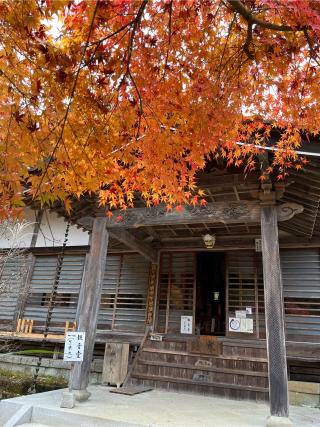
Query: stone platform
x=153, y=409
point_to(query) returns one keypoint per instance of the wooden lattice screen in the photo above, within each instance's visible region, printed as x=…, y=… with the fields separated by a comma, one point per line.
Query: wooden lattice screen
x=66, y=299
x=245, y=289
x=176, y=295
x=124, y=293
x=301, y=291
x=13, y=274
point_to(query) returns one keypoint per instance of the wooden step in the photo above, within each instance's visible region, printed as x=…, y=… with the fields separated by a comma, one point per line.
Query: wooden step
x=206, y=384
x=183, y=372
x=204, y=369
x=250, y=348
x=168, y=364
x=223, y=357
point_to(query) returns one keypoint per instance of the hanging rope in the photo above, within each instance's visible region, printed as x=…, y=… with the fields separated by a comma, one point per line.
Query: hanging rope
x=51, y=305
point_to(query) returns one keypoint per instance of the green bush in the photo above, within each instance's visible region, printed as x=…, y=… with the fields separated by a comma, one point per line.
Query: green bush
x=13, y=384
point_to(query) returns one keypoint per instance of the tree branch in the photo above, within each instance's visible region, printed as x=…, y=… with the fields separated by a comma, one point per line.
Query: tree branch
x=127, y=73
x=313, y=53
x=73, y=90
x=133, y=32
x=246, y=46
x=170, y=33
x=246, y=13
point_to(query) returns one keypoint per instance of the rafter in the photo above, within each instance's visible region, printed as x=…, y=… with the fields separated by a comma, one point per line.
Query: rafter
x=132, y=242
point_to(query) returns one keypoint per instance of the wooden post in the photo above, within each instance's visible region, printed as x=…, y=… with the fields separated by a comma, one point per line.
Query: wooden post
x=274, y=312
x=88, y=306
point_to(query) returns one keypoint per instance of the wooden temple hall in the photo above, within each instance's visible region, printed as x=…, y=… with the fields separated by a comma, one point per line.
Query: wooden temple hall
x=221, y=299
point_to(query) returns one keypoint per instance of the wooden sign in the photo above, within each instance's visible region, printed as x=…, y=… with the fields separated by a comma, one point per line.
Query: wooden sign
x=205, y=344
x=115, y=363
x=74, y=347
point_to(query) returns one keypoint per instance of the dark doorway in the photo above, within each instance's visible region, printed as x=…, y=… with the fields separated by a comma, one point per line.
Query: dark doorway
x=211, y=291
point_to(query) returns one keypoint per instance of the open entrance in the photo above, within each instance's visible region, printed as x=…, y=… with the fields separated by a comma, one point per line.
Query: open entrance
x=210, y=292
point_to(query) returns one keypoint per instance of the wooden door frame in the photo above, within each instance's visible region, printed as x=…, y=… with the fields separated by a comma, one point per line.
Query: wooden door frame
x=156, y=311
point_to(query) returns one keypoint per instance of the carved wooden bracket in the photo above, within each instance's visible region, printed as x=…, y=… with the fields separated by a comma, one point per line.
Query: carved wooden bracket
x=287, y=211
x=225, y=212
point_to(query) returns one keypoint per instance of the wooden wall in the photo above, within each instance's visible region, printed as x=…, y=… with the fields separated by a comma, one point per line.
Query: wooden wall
x=244, y=282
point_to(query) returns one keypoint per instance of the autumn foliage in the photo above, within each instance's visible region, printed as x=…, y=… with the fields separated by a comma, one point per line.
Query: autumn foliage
x=123, y=97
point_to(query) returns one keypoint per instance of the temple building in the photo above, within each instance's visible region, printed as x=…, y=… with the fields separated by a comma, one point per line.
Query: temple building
x=220, y=299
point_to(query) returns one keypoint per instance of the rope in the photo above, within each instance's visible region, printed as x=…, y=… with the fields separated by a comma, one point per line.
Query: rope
x=263, y=147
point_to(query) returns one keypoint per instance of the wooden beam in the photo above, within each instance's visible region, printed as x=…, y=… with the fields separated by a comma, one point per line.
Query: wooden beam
x=216, y=212
x=274, y=314
x=132, y=242
x=88, y=306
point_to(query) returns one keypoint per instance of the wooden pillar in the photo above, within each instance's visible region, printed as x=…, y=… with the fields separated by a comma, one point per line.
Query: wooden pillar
x=88, y=306
x=274, y=313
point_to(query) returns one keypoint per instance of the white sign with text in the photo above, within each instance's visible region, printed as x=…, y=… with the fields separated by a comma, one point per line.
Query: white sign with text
x=237, y=324
x=74, y=347
x=186, y=324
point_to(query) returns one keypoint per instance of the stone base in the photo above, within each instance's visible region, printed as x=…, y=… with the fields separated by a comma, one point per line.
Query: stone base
x=81, y=395
x=273, y=421
x=67, y=400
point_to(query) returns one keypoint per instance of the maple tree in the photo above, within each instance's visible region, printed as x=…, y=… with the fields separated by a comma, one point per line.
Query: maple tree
x=125, y=96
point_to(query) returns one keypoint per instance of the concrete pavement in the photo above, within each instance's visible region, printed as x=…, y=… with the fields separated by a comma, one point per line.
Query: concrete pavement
x=157, y=409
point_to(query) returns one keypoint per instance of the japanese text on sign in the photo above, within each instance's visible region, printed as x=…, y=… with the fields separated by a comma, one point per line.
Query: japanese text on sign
x=186, y=324
x=74, y=347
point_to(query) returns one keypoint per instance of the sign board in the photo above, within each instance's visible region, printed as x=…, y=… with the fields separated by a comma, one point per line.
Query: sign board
x=241, y=314
x=234, y=324
x=237, y=324
x=186, y=324
x=249, y=310
x=258, y=245
x=155, y=337
x=74, y=347
x=246, y=326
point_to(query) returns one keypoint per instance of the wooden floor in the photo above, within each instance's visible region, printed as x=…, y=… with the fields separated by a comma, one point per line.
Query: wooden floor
x=237, y=372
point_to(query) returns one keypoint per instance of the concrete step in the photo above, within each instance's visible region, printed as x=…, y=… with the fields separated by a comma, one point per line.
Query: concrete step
x=33, y=425
x=20, y=414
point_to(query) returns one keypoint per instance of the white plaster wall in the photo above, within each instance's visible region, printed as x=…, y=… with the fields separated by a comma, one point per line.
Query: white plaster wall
x=51, y=233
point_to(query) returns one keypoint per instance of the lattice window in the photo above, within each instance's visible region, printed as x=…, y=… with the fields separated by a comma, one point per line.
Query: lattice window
x=124, y=293
x=13, y=274
x=301, y=292
x=66, y=299
x=245, y=288
x=176, y=290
